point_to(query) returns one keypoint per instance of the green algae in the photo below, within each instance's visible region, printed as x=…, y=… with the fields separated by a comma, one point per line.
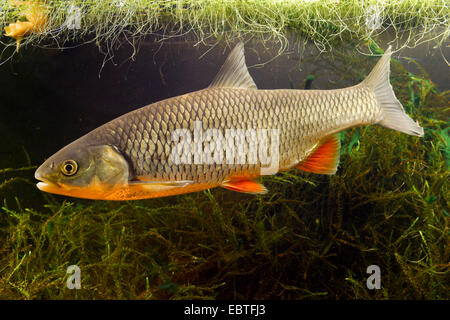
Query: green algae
x=326, y=23
x=310, y=237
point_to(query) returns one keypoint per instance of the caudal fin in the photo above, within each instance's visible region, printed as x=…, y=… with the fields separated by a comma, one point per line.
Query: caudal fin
x=394, y=117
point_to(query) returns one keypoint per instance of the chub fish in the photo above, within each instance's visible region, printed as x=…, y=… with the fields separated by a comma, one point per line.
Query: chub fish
x=221, y=136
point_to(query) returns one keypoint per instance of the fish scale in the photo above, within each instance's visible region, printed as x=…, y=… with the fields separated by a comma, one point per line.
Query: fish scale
x=302, y=117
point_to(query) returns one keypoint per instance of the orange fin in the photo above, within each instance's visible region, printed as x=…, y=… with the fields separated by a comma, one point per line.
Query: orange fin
x=324, y=159
x=245, y=185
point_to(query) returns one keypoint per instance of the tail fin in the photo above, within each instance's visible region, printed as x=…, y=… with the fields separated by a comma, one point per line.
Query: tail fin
x=394, y=117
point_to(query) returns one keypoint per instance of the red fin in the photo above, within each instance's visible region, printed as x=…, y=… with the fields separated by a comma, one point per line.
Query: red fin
x=324, y=159
x=246, y=186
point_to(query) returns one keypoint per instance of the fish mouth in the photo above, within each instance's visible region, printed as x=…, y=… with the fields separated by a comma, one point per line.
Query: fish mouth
x=44, y=184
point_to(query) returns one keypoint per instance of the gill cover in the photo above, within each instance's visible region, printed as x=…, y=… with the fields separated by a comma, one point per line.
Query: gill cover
x=101, y=170
x=111, y=168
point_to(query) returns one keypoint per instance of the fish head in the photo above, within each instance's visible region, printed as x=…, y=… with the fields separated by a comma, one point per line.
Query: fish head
x=82, y=171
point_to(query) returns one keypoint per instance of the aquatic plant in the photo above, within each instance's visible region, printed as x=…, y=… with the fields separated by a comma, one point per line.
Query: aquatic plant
x=110, y=23
x=310, y=237
x=36, y=20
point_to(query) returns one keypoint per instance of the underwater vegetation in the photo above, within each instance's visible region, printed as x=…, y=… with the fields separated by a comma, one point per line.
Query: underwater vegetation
x=35, y=16
x=309, y=237
x=110, y=23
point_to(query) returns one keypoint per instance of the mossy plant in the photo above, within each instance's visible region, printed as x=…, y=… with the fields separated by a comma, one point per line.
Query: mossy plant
x=110, y=23
x=309, y=237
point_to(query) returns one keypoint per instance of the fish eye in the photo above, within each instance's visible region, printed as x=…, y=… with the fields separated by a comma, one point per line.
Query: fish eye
x=69, y=167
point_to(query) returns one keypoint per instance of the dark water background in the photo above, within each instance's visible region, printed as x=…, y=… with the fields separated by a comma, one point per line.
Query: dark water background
x=305, y=239
x=50, y=97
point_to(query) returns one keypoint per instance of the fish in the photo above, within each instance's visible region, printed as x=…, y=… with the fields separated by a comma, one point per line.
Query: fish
x=228, y=135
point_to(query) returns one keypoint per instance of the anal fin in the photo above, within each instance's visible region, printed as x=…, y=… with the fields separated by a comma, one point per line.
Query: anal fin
x=324, y=159
x=245, y=186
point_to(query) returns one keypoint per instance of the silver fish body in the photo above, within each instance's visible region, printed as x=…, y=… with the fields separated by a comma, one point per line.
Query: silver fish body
x=303, y=118
x=220, y=136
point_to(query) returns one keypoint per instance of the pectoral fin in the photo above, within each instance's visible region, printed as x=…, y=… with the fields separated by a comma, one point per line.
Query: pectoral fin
x=245, y=186
x=157, y=186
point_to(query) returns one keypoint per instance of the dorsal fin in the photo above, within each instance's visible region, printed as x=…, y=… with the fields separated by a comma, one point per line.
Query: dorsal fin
x=234, y=72
x=324, y=159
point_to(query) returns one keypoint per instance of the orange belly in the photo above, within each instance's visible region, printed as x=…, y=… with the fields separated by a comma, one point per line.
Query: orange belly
x=97, y=191
x=136, y=192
